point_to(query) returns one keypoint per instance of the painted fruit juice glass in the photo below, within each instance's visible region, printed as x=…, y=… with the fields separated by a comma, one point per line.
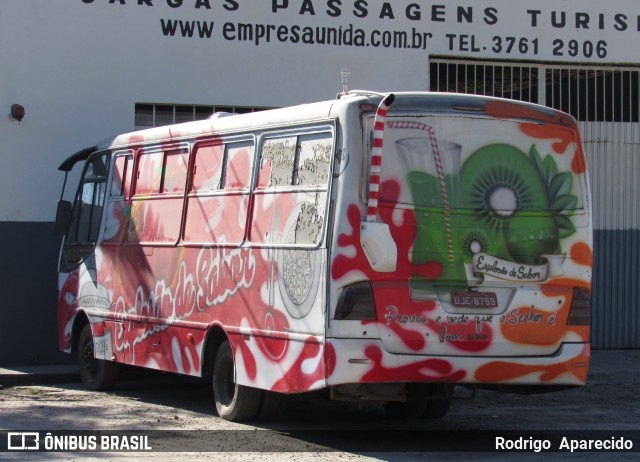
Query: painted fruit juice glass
x=432, y=170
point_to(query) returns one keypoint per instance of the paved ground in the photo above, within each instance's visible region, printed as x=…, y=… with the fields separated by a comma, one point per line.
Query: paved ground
x=315, y=429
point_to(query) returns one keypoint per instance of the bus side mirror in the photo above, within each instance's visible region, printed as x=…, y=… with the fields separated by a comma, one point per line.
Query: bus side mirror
x=63, y=217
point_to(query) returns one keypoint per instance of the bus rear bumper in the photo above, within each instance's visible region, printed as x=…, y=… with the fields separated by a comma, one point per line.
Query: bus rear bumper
x=366, y=361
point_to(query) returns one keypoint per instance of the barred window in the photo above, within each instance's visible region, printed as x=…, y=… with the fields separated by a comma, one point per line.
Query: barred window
x=594, y=94
x=148, y=115
x=589, y=93
x=486, y=78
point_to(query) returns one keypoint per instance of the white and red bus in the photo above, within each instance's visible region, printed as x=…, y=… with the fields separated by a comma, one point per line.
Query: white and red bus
x=382, y=247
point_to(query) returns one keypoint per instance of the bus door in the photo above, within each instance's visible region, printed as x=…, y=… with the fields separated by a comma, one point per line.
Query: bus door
x=86, y=217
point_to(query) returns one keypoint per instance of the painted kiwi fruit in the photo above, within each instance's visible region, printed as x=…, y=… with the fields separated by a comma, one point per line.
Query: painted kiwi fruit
x=476, y=240
x=506, y=194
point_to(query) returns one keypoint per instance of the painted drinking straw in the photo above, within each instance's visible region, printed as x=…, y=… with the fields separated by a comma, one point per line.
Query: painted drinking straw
x=376, y=156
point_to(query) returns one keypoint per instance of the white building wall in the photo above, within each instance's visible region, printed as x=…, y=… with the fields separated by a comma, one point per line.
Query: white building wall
x=79, y=66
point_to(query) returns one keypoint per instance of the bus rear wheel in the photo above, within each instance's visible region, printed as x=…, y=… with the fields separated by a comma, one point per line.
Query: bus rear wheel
x=96, y=374
x=439, y=402
x=413, y=407
x=405, y=410
x=429, y=401
x=234, y=402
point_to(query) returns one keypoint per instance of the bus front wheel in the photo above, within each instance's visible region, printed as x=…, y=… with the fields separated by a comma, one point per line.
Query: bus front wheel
x=233, y=402
x=96, y=374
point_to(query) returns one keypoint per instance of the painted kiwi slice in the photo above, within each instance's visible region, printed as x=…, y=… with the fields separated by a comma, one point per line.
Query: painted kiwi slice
x=474, y=242
x=499, y=180
x=476, y=238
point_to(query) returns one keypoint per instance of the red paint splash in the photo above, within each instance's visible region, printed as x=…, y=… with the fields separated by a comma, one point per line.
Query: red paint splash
x=552, y=327
x=67, y=304
x=295, y=379
x=511, y=110
x=248, y=360
x=396, y=295
x=403, y=234
x=427, y=370
x=275, y=348
x=565, y=138
x=471, y=339
x=581, y=254
x=565, y=134
x=330, y=358
x=500, y=371
x=188, y=353
x=564, y=287
x=394, y=289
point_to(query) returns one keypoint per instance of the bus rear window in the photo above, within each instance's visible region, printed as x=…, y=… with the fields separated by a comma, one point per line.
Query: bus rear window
x=477, y=164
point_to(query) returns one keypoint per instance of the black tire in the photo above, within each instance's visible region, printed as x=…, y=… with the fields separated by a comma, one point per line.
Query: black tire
x=439, y=402
x=411, y=409
x=272, y=406
x=234, y=402
x=96, y=374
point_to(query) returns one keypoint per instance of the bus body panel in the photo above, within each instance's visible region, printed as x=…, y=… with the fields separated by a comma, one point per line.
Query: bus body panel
x=490, y=214
x=359, y=361
x=250, y=265
x=207, y=229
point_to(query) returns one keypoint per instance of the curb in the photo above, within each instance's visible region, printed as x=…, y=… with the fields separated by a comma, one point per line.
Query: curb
x=38, y=375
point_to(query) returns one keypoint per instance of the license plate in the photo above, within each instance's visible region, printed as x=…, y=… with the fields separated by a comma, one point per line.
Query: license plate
x=471, y=299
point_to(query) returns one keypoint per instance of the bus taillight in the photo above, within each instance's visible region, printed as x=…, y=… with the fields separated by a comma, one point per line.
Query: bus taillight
x=580, y=312
x=356, y=303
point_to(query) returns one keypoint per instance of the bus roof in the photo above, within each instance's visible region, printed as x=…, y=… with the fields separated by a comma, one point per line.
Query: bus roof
x=405, y=103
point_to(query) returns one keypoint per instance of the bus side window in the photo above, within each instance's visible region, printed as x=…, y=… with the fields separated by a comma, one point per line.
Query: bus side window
x=208, y=167
x=219, y=198
x=238, y=165
x=292, y=189
x=117, y=206
x=90, y=202
x=174, y=175
x=156, y=206
x=149, y=174
x=276, y=162
x=121, y=176
x=314, y=160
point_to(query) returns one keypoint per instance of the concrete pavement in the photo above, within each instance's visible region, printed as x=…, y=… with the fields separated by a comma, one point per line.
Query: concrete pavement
x=33, y=375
